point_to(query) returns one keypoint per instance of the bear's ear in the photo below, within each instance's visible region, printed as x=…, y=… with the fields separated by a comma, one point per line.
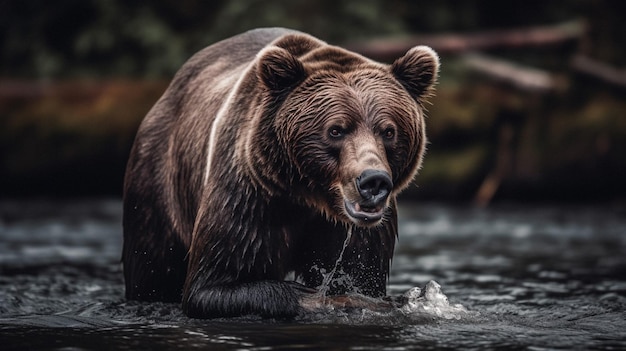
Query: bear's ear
x=279, y=70
x=417, y=70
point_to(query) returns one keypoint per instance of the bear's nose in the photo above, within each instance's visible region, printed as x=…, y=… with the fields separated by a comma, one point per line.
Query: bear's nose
x=374, y=186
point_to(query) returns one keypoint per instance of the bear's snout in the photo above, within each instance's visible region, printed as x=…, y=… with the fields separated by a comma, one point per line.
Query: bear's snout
x=374, y=186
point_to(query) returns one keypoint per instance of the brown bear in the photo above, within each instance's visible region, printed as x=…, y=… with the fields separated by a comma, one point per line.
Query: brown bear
x=270, y=155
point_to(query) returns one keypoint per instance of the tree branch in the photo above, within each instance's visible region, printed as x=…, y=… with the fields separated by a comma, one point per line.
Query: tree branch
x=386, y=49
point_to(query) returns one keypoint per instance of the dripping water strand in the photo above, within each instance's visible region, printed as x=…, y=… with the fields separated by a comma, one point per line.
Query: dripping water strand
x=329, y=277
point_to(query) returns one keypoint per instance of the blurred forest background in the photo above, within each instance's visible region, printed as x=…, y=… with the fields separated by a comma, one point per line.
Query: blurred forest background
x=530, y=105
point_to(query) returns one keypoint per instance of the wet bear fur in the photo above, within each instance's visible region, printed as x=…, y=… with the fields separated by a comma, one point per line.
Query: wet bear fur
x=242, y=183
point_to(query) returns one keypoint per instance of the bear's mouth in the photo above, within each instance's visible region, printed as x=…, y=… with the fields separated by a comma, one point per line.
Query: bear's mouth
x=361, y=213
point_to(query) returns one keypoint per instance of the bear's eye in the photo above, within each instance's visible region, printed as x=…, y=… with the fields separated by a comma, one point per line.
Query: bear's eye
x=389, y=133
x=336, y=132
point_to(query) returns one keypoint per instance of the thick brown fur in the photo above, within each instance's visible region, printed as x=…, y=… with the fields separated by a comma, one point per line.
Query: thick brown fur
x=266, y=150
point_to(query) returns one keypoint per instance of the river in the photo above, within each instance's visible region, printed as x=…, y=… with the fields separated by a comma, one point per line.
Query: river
x=514, y=277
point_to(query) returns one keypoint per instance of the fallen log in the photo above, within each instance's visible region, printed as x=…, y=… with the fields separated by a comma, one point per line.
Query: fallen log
x=599, y=70
x=388, y=48
x=523, y=78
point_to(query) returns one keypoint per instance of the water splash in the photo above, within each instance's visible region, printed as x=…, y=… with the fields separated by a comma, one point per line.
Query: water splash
x=328, y=277
x=429, y=303
x=432, y=301
x=419, y=306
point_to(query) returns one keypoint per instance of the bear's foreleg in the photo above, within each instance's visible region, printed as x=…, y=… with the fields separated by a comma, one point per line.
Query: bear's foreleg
x=266, y=298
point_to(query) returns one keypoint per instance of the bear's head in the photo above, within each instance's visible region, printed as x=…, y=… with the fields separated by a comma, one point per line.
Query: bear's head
x=347, y=132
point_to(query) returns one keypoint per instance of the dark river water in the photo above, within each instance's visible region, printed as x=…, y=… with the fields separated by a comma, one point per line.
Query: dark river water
x=510, y=277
